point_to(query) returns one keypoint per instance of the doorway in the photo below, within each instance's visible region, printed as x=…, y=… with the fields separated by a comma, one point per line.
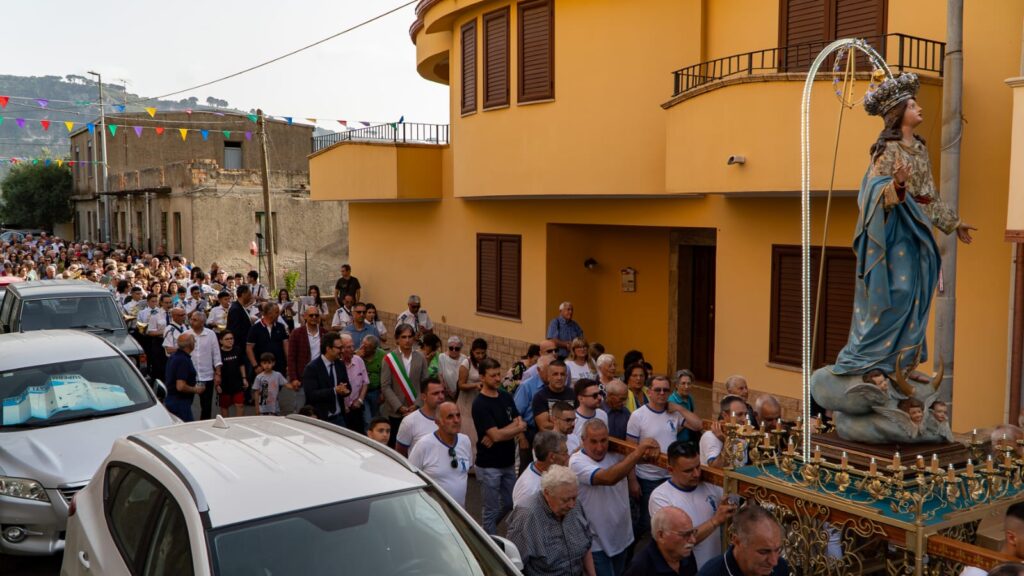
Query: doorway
x=694, y=283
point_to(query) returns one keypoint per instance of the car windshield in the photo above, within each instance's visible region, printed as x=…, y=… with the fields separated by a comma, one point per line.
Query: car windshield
x=412, y=533
x=71, y=390
x=75, y=312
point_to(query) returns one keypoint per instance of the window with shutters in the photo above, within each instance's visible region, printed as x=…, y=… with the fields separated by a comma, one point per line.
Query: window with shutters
x=496, y=58
x=806, y=26
x=497, y=274
x=536, y=50
x=469, y=67
x=786, y=309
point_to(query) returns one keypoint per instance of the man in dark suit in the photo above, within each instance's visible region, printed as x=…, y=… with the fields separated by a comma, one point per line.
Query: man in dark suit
x=325, y=381
x=303, y=346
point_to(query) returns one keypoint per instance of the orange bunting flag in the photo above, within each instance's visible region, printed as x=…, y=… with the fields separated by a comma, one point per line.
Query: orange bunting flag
x=69, y=125
x=151, y=112
x=184, y=133
x=159, y=130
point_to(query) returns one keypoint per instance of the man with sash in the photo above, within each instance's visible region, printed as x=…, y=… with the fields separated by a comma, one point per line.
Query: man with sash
x=402, y=373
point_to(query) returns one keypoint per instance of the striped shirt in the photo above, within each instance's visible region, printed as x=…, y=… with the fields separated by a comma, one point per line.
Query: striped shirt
x=547, y=545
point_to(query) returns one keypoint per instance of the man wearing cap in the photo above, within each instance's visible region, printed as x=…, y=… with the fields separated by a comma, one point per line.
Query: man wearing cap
x=453, y=368
x=417, y=318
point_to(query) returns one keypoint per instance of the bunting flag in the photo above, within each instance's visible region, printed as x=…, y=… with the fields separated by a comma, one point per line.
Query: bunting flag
x=226, y=133
x=92, y=128
x=21, y=122
x=119, y=107
x=60, y=162
x=402, y=120
x=184, y=133
x=43, y=102
x=138, y=131
x=1, y=119
x=69, y=125
x=289, y=119
x=151, y=112
x=343, y=123
x=252, y=117
x=159, y=130
x=364, y=123
x=47, y=162
x=248, y=135
x=205, y=133
x=45, y=124
x=3, y=101
x=113, y=129
x=313, y=120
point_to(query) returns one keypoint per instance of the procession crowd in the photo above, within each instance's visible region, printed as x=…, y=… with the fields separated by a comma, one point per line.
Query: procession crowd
x=537, y=435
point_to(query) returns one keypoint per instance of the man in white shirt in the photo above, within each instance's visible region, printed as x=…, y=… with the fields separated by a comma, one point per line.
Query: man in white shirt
x=135, y=305
x=421, y=422
x=605, y=486
x=712, y=441
x=588, y=398
x=548, y=449
x=219, y=314
x=416, y=317
x=656, y=420
x=1013, y=538
x=174, y=329
x=343, y=315
x=702, y=502
x=446, y=455
x=259, y=291
x=206, y=359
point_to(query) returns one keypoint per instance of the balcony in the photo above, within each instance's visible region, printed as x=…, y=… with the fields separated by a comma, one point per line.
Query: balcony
x=388, y=162
x=749, y=105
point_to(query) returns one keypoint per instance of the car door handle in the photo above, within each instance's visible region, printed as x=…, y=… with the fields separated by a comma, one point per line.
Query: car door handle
x=83, y=559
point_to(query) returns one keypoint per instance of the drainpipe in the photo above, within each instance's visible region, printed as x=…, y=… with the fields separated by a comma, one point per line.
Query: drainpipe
x=949, y=184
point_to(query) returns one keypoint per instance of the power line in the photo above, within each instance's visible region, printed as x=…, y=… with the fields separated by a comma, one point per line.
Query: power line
x=282, y=57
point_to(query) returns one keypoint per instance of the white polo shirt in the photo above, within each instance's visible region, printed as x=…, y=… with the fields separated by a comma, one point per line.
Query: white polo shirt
x=527, y=485
x=572, y=443
x=206, y=354
x=431, y=456
x=711, y=447
x=645, y=422
x=607, y=507
x=414, y=427
x=581, y=420
x=700, y=504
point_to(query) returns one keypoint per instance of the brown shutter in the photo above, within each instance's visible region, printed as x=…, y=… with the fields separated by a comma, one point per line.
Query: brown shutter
x=536, y=50
x=496, y=58
x=785, y=330
x=803, y=22
x=861, y=19
x=508, y=304
x=837, y=305
x=469, y=67
x=487, y=273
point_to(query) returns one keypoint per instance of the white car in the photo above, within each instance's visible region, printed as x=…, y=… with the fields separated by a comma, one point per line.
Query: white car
x=270, y=496
x=65, y=396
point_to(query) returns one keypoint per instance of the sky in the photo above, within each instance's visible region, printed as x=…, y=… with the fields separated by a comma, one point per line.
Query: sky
x=160, y=47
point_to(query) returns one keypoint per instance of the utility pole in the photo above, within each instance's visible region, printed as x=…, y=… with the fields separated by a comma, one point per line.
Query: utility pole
x=103, y=145
x=268, y=215
x=949, y=184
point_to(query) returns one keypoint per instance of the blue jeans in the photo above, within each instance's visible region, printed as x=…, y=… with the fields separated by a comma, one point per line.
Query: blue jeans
x=496, y=485
x=643, y=526
x=371, y=408
x=605, y=565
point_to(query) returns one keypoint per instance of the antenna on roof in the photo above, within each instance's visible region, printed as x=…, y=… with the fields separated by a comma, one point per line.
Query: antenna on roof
x=220, y=423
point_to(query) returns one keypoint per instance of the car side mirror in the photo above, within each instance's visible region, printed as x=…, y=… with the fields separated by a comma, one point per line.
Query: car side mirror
x=510, y=550
x=159, y=389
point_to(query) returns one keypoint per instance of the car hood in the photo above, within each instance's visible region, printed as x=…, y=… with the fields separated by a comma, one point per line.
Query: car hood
x=70, y=453
x=122, y=342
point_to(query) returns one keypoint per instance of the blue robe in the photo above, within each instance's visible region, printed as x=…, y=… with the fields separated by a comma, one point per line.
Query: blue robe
x=897, y=271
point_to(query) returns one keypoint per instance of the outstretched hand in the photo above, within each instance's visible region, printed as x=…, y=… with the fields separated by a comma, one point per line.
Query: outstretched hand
x=963, y=232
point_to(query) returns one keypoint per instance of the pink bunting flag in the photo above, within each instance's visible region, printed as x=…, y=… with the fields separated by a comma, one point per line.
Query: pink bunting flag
x=138, y=131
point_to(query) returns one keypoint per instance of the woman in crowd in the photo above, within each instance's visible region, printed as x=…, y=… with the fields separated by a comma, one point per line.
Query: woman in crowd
x=579, y=363
x=605, y=370
x=636, y=382
x=471, y=389
x=373, y=320
x=318, y=303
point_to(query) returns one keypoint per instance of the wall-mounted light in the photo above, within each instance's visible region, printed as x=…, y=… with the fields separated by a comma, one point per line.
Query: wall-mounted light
x=736, y=159
x=590, y=263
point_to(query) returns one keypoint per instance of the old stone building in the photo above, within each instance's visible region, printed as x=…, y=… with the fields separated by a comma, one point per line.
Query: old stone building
x=201, y=195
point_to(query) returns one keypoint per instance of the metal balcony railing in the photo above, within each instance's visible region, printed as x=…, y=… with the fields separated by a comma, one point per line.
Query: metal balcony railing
x=404, y=133
x=908, y=52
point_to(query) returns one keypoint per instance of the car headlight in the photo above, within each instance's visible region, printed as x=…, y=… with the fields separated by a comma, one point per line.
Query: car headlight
x=22, y=488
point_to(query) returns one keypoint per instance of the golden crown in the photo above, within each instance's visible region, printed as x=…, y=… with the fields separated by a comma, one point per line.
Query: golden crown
x=891, y=92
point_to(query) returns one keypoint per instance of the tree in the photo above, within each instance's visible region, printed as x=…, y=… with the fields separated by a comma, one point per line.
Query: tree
x=37, y=195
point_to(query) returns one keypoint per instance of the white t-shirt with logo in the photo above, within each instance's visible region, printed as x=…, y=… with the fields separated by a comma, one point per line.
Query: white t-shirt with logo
x=431, y=456
x=577, y=372
x=414, y=427
x=607, y=507
x=663, y=426
x=581, y=420
x=527, y=485
x=711, y=448
x=700, y=504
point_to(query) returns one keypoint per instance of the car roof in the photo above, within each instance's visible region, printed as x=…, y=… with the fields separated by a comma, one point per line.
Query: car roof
x=240, y=469
x=5, y=280
x=57, y=288
x=38, y=347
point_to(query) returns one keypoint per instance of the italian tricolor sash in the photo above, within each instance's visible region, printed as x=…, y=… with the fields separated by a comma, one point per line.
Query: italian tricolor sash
x=397, y=367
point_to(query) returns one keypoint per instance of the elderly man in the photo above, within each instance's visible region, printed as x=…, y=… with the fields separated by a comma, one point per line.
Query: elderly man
x=702, y=502
x=343, y=315
x=1013, y=542
x=303, y=346
x=736, y=385
x=550, y=450
x=563, y=329
x=605, y=494
x=529, y=387
x=359, y=380
x=551, y=532
x=756, y=548
x=615, y=407
x=713, y=441
x=670, y=552
x=446, y=455
x=768, y=410
x=416, y=317
x=268, y=335
x=372, y=355
x=182, y=385
x=554, y=390
x=176, y=327
x=207, y=360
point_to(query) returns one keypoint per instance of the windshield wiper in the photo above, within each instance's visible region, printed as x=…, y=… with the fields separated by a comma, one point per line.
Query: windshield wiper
x=92, y=327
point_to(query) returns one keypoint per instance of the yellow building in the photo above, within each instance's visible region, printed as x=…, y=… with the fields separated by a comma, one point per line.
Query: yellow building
x=601, y=132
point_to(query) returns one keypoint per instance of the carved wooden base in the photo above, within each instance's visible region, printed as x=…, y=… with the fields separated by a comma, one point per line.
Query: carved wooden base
x=859, y=454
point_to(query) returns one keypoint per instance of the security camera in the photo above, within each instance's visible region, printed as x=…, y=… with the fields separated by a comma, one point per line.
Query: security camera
x=734, y=159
